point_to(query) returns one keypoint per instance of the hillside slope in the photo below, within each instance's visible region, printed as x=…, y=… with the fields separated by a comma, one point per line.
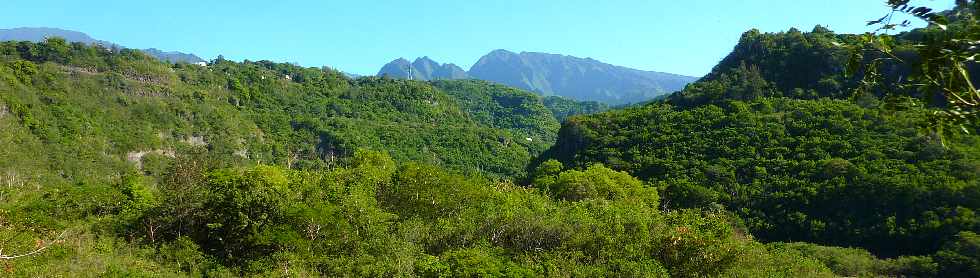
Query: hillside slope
x=127, y=166
x=575, y=78
x=257, y=111
x=774, y=135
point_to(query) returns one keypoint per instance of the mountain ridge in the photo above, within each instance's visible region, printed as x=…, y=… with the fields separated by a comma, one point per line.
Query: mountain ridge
x=547, y=74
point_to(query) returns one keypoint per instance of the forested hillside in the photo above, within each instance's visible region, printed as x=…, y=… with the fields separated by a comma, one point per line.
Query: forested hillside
x=258, y=111
x=780, y=135
x=799, y=155
x=825, y=171
x=117, y=164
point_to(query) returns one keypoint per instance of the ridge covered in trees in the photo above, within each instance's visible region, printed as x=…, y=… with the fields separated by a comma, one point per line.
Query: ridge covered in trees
x=785, y=161
x=784, y=136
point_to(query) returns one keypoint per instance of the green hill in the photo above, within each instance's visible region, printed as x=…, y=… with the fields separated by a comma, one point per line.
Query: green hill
x=777, y=135
x=70, y=95
x=124, y=165
x=783, y=162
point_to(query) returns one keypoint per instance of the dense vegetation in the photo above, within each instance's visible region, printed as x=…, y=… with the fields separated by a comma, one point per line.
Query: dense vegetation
x=115, y=164
x=825, y=171
x=120, y=165
x=779, y=135
x=373, y=217
x=263, y=112
x=563, y=108
x=789, y=64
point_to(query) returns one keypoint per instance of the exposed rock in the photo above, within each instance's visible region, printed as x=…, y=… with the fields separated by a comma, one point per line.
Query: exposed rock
x=197, y=141
x=137, y=157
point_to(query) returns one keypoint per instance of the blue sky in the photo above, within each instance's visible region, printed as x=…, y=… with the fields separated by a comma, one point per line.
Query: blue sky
x=359, y=36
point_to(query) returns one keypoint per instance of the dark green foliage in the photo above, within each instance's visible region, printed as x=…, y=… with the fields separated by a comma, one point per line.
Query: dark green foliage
x=821, y=171
x=791, y=64
x=961, y=256
x=563, y=107
x=762, y=137
x=934, y=66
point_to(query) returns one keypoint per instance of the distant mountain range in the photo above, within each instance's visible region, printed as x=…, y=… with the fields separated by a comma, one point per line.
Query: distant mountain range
x=583, y=79
x=39, y=34
x=173, y=56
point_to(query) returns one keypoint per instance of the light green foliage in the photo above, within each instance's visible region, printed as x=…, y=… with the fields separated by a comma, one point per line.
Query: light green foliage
x=122, y=102
x=245, y=206
x=596, y=182
x=506, y=108
x=853, y=262
x=374, y=217
x=934, y=66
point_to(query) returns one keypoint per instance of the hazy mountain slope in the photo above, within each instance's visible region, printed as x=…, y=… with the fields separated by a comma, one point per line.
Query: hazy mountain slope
x=40, y=33
x=551, y=75
x=173, y=56
x=423, y=68
x=577, y=78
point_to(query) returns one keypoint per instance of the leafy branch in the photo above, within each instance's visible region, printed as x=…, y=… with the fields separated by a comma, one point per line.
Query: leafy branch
x=39, y=247
x=944, y=58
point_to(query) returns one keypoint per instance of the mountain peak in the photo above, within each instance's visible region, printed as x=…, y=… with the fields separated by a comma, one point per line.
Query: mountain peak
x=423, y=68
x=584, y=79
x=501, y=52
x=425, y=62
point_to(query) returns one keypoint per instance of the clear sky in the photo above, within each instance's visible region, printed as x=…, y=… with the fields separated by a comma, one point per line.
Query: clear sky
x=359, y=36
